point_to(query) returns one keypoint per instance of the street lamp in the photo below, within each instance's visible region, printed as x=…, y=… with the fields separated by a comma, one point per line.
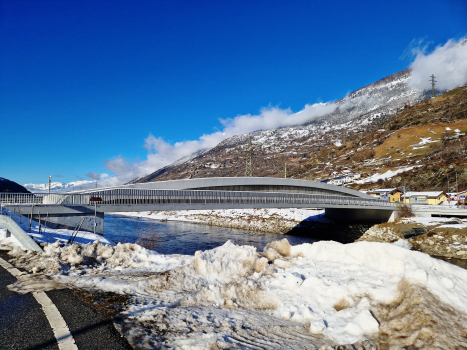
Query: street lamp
x=50, y=180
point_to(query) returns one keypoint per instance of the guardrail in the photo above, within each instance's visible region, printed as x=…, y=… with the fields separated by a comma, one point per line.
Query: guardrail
x=138, y=196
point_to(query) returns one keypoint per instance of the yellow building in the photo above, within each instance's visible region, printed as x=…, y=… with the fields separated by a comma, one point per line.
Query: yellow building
x=395, y=196
x=428, y=197
x=380, y=193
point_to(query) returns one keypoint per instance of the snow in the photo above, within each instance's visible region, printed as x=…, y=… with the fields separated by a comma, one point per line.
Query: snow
x=7, y=242
x=431, y=194
x=60, y=186
x=387, y=175
x=432, y=221
x=329, y=288
x=297, y=215
x=425, y=141
x=49, y=235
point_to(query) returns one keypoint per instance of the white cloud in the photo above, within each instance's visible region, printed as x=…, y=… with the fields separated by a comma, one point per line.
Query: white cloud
x=448, y=63
x=162, y=153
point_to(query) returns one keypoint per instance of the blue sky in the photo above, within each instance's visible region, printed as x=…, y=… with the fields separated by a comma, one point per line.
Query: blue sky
x=84, y=82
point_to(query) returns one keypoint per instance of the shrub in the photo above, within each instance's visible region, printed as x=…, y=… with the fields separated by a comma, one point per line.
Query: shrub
x=405, y=211
x=147, y=238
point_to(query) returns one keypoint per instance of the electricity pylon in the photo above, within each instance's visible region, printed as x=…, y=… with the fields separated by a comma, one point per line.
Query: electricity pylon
x=433, y=81
x=249, y=159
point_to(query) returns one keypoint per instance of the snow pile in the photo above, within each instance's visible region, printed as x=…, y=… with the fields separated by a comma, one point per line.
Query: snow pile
x=337, y=288
x=285, y=297
x=121, y=256
x=219, y=278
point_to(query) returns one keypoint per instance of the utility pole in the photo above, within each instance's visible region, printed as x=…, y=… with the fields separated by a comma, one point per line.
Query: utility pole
x=457, y=188
x=249, y=159
x=50, y=180
x=433, y=81
x=285, y=171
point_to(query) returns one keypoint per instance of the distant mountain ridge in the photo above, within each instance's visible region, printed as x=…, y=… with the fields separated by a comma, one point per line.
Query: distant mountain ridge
x=61, y=186
x=356, y=113
x=8, y=186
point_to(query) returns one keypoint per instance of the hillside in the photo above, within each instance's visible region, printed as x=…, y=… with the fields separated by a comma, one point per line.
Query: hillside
x=389, y=134
x=357, y=114
x=11, y=186
x=428, y=137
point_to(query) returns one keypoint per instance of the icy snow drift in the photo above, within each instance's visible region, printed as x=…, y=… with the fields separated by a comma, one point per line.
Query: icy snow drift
x=232, y=296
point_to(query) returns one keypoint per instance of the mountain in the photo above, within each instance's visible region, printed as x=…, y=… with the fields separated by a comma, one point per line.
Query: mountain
x=425, y=143
x=61, y=186
x=11, y=186
x=357, y=114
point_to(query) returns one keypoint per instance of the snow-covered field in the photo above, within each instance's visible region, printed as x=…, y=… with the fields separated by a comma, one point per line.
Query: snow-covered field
x=285, y=297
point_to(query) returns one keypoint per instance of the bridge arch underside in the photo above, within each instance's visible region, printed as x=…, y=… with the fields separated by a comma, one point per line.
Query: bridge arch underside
x=274, y=188
x=361, y=215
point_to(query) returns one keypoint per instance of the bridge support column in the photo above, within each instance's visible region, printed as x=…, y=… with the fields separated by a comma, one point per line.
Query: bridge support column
x=361, y=216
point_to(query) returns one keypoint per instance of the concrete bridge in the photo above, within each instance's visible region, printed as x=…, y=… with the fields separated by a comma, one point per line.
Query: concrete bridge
x=87, y=208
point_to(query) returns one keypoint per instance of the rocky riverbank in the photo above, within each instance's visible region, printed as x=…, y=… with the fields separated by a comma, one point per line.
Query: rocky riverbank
x=299, y=222
x=438, y=237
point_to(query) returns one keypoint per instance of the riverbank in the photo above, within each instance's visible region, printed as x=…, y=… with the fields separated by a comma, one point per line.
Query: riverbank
x=298, y=222
x=439, y=237
x=279, y=221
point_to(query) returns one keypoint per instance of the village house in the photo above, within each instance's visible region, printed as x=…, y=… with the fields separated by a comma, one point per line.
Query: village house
x=341, y=177
x=395, y=196
x=380, y=193
x=427, y=197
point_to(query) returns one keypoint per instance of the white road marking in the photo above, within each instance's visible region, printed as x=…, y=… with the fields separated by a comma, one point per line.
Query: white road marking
x=59, y=327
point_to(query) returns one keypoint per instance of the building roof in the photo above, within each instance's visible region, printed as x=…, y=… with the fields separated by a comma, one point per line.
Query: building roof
x=431, y=194
x=380, y=190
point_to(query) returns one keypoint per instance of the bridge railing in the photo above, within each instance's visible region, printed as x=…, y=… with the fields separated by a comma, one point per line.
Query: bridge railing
x=139, y=196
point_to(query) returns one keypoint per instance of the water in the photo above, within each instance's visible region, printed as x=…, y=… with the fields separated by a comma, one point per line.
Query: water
x=174, y=237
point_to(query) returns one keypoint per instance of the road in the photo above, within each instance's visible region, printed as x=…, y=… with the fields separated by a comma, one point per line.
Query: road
x=23, y=324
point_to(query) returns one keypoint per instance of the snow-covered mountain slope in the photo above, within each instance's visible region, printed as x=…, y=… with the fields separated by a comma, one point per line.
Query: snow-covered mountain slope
x=358, y=112
x=61, y=186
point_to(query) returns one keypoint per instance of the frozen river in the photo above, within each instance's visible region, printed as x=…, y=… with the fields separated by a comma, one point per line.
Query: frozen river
x=174, y=237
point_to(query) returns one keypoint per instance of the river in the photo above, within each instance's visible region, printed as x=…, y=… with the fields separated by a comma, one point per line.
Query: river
x=176, y=237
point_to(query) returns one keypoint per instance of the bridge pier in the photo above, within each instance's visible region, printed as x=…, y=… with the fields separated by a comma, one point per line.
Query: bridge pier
x=361, y=216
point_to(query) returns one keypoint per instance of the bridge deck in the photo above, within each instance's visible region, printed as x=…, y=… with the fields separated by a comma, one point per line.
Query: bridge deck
x=163, y=200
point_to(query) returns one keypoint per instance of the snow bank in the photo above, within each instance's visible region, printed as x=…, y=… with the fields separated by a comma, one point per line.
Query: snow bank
x=336, y=285
x=322, y=292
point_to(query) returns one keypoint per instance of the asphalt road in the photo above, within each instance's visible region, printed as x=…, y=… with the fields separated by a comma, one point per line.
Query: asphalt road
x=23, y=324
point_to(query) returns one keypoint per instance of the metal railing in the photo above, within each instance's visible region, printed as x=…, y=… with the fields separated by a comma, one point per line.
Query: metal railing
x=139, y=196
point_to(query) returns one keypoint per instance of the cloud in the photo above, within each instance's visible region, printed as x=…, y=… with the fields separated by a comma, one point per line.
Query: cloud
x=94, y=176
x=118, y=165
x=162, y=153
x=416, y=46
x=447, y=62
